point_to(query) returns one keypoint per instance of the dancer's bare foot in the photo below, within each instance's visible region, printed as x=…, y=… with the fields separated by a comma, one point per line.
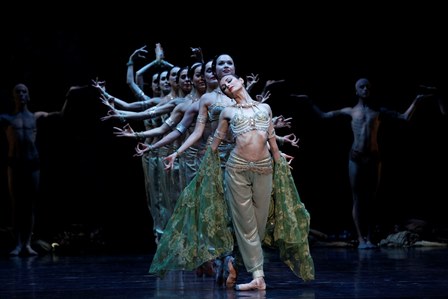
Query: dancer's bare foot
x=256, y=284
x=15, y=251
x=29, y=251
x=366, y=245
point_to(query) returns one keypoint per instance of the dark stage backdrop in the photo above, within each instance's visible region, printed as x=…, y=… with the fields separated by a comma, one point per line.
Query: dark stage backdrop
x=90, y=177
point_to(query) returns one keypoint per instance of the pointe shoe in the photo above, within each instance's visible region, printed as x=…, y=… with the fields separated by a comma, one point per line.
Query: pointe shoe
x=219, y=271
x=256, y=284
x=230, y=272
x=208, y=269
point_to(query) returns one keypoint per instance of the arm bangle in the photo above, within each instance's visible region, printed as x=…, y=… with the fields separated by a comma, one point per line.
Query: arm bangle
x=280, y=140
x=139, y=136
x=181, y=128
x=271, y=134
x=201, y=119
x=140, y=95
x=152, y=112
x=170, y=122
x=130, y=63
x=121, y=118
x=219, y=135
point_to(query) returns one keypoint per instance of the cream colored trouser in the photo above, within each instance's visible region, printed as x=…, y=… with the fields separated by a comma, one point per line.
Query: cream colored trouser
x=248, y=194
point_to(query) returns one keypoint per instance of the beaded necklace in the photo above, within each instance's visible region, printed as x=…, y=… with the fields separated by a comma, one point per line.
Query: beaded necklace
x=245, y=105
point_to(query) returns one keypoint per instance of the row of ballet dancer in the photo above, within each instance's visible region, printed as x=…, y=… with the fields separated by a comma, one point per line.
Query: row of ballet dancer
x=218, y=188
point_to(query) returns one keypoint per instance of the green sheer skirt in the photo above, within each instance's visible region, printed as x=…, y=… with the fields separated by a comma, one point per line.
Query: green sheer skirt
x=198, y=231
x=289, y=224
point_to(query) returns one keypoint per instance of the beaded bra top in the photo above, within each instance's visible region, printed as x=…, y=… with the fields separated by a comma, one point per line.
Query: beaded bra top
x=242, y=123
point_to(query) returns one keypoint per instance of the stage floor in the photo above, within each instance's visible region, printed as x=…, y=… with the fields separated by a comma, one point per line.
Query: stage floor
x=417, y=272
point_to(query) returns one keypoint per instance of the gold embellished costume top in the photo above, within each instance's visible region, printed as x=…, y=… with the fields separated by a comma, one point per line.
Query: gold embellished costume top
x=242, y=123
